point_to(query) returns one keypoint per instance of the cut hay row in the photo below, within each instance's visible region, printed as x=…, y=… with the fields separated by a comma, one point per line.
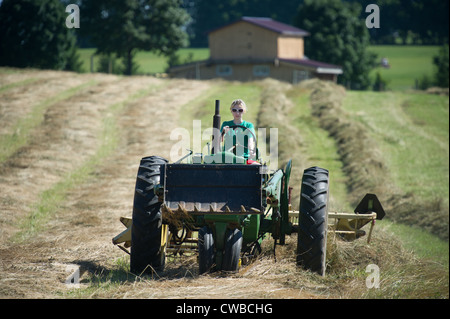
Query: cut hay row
x=275, y=111
x=80, y=165
x=363, y=163
x=57, y=148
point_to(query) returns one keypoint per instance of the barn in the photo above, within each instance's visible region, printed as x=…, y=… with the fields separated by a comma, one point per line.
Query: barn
x=255, y=48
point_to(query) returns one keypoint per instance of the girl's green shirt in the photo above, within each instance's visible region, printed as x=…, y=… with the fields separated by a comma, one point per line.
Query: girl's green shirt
x=234, y=136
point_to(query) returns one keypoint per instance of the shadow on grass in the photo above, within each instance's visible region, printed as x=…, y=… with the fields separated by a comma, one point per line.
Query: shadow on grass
x=180, y=268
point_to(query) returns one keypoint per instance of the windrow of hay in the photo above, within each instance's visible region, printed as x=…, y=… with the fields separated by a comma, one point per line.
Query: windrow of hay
x=363, y=163
x=401, y=273
x=274, y=112
x=103, y=131
x=362, y=160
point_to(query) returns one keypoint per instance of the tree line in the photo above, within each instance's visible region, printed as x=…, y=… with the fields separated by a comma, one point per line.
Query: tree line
x=34, y=33
x=401, y=21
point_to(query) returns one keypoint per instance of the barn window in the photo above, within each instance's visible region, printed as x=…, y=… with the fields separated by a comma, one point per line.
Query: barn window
x=300, y=75
x=224, y=70
x=261, y=70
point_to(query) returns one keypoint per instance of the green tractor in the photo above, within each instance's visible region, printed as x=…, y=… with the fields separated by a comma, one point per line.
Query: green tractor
x=218, y=206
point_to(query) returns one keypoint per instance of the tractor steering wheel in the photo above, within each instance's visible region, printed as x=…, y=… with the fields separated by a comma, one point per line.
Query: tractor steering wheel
x=245, y=128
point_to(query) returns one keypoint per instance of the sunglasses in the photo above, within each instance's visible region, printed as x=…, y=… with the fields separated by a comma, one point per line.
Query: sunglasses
x=238, y=110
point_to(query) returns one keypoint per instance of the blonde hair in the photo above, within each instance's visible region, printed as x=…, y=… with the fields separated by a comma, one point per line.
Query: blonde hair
x=240, y=103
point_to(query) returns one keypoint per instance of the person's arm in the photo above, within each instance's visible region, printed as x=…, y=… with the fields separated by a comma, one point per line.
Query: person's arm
x=224, y=130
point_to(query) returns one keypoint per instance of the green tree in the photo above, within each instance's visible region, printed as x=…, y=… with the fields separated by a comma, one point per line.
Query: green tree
x=338, y=36
x=123, y=27
x=411, y=21
x=34, y=34
x=430, y=20
x=379, y=84
x=441, y=63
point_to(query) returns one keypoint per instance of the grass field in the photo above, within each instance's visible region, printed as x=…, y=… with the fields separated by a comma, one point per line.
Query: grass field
x=73, y=141
x=149, y=62
x=412, y=131
x=408, y=63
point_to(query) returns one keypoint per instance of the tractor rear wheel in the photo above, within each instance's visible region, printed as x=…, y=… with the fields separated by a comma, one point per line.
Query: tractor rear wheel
x=313, y=220
x=232, y=251
x=147, y=219
x=205, y=250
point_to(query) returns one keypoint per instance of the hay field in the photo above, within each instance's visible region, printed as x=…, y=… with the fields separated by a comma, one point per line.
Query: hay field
x=69, y=149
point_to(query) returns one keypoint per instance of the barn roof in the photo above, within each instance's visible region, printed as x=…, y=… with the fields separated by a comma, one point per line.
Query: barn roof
x=315, y=66
x=319, y=67
x=272, y=25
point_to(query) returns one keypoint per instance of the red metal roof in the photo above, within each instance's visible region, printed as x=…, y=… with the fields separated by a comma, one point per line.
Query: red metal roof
x=270, y=24
x=275, y=26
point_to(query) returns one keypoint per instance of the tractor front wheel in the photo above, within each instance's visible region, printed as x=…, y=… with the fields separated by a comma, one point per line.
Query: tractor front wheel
x=205, y=250
x=232, y=251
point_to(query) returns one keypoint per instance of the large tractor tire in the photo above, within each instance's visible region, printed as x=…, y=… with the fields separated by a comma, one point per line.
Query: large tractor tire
x=206, y=254
x=313, y=220
x=146, y=251
x=232, y=251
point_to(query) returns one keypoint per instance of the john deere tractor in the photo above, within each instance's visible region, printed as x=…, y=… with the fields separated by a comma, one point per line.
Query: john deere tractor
x=222, y=208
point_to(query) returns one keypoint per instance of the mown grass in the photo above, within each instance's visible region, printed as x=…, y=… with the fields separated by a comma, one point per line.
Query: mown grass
x=9, y=143
x=412, y=131
x=408, y=63
x=424, y=244
x=319, y=149
x=424, y=118
x=102, y=280
x=52, y=199
x=17, y=84
x=369, y=136
x=403, y=274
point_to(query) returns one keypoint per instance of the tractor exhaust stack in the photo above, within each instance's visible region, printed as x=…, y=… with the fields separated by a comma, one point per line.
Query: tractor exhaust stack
x=216, y=130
